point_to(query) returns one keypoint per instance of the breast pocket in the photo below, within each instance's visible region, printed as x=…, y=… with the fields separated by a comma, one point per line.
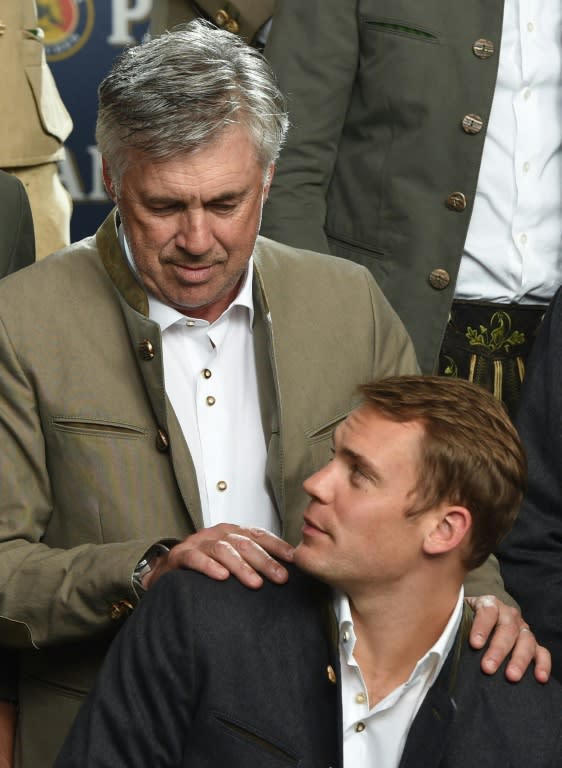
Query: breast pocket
x=320, y=440
x=247, y=745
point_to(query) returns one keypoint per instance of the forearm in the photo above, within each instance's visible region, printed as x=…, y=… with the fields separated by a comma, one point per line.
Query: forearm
x=56, y=595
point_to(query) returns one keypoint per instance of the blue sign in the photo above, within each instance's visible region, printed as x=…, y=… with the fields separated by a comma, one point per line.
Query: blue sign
x=82, y=38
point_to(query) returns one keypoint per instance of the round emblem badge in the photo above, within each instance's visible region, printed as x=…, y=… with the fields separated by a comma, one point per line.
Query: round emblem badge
x=66, y=25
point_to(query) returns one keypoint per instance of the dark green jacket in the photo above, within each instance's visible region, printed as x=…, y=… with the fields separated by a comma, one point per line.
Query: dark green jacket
x=378, y=90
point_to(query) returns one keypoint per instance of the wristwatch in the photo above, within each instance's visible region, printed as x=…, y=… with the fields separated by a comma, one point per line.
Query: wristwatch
x=145, y=566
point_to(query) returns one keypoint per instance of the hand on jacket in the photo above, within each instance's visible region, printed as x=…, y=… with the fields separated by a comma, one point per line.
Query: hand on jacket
x=226, y=549
x=510, y=632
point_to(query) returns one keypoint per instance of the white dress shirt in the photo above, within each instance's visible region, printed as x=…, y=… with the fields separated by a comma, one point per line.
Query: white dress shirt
x=375, y=736
x=513, y=250
x=211, y=381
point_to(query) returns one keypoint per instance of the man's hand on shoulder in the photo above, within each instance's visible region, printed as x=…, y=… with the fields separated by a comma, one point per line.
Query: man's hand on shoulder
x=510, y=633
x=249, y=554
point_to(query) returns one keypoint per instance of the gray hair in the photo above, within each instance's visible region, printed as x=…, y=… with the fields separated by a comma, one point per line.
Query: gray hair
x=177, y=92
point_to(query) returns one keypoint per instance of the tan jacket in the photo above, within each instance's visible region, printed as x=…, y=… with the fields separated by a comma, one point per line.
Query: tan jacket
x=243, y=17
x=34, y=121
x=94, y=465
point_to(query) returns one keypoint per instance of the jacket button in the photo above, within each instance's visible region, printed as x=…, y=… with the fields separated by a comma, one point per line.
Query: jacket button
x=2, y=27
x=120, y=610
x=224, y=19
x=456, y=201
x=146, y=349
x=162, y=441
x=483, y=48
x=439, y=279
x=472, y=123
x=331, y=674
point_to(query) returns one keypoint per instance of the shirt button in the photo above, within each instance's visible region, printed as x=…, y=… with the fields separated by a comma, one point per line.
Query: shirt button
x=360, y=727
x=523, y=239
x=210, y=400
x=527, y=94
x=530, y=26
x=221, y=485
x=190, y=323
x=526, y=167
x=360, y=698
x=345, y=636
x=207, y=373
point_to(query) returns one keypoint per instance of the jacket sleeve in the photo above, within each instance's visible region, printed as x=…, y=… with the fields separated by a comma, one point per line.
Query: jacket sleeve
x=139, y=711
x=531, y=555
x=47, y=595
x=17, y=242
x=313, y=49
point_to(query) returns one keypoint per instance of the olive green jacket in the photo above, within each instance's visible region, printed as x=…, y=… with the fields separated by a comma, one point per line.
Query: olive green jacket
x=17, y=242
x=381, y=165
x=242, y=17
x=94, y=465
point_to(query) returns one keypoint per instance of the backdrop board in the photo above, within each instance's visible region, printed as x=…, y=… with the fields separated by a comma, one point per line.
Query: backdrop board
x=82, y=37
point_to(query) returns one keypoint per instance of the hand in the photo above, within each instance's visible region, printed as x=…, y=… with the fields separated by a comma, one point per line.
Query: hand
x=225, y=550
x=8, y=718
x=511, y=632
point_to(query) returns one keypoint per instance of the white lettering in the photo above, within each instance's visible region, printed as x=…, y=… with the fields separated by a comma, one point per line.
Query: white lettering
x=70, y=176
x=97, y=192
x=123, y=14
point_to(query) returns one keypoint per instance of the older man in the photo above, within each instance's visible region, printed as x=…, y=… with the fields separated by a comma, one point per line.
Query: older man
x=207, y=675
x=181, y=380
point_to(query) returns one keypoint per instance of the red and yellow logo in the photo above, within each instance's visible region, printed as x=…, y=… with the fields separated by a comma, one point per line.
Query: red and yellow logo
x=66, y=24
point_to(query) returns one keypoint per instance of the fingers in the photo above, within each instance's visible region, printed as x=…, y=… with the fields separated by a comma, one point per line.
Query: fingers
x=508, y=632
x=225, y=550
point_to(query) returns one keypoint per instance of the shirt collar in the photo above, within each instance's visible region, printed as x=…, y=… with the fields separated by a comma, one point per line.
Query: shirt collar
x=166, y=316
x=435, y=657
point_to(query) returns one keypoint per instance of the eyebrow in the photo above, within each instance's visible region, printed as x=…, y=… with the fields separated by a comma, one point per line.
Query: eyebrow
x=351, y=455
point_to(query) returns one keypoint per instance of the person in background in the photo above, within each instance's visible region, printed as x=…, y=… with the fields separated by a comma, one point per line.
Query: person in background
x=17, y=250
x=36, y=124
x=206, y=674
x=17, y=243
x=251, y=19
x=427, y=145
x=531, y=556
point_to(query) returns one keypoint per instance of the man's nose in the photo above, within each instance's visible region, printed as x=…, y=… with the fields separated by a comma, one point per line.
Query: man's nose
x=319, y=484
x=195, y=234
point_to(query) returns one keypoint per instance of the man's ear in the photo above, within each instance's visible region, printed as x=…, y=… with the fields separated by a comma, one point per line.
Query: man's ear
x=451, y=525
x=108, y=180
x=269, y=174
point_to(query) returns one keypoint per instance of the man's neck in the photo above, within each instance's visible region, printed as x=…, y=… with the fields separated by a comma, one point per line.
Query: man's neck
x=394, y=631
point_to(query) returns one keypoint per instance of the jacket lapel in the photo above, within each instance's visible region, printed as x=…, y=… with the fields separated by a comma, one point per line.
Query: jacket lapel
x=427, y=739
x=146, y=339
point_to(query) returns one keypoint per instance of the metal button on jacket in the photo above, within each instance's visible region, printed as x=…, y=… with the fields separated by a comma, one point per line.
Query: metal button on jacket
x=224, y=19
x=439, y=279
x=162, y=441
x=456, y=201
x=146, y=349
x=120, y=610
x=483, y=48
x=472, y=123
